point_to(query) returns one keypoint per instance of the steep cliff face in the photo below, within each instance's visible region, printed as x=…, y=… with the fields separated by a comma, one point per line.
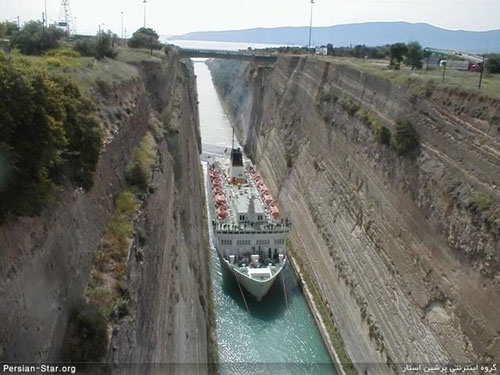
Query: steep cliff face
x=169, y=273
x=45, y=261
x=405, y=249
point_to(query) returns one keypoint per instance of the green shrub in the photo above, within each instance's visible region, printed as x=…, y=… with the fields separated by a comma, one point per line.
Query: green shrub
x=85, y=47
x=100, y=46
x=145, y=38
x=365, y=116
x=53, y=61
x=104, y=46
x=34, y=38
x=329, y=97
x=7, y=29
x=483, y=202
x=86, y=338
x=125, y=203
x=381, y=134
x=404, y=136
x=349, y=105
x=47, y=135
x=138, y=171
x=83, y=134
x=63, y=52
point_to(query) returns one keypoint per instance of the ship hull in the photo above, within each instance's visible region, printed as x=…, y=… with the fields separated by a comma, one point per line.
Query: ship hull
x=256, y=288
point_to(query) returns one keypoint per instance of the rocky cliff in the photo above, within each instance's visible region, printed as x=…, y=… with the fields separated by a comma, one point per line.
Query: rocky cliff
x=46, y=260
x=404, y=248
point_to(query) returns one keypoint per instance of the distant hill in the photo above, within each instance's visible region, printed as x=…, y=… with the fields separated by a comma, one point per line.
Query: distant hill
x=370, y=34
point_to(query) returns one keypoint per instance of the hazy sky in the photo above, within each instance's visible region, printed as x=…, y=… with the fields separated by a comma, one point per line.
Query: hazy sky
x=177, y=17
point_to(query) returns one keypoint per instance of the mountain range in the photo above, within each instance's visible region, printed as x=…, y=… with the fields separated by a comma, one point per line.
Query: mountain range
x=370, y=34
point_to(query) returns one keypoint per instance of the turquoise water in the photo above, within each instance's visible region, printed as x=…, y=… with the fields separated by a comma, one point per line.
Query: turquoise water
x=277, y=335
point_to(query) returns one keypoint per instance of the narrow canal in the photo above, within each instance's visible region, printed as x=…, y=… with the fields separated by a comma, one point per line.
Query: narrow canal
x=270, y=338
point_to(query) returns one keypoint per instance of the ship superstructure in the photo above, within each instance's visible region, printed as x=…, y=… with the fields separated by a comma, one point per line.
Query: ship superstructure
x=249, y=231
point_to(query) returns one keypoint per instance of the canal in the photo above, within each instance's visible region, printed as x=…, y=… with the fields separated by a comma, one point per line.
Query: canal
x=276, y=336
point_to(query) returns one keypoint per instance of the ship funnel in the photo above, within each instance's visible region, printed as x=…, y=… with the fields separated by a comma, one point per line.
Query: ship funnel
x=237, y=170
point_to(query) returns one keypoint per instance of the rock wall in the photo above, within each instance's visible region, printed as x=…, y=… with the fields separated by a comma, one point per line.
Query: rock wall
x=169, y=268
x=409, y=268
x=45, y=261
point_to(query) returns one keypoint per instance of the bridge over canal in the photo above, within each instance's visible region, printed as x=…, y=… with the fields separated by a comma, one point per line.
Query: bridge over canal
x=223, y=54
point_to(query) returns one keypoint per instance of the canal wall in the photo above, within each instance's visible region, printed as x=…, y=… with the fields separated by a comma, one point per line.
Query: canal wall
x=45, y=261
x=404, y=256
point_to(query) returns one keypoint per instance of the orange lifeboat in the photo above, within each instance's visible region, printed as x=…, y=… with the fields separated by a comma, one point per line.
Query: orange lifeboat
x=275, y=211
x=219, y=199
x=268, y=198
x=222, y=213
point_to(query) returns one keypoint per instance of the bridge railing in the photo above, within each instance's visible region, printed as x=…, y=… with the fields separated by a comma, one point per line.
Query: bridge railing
x=225, y=52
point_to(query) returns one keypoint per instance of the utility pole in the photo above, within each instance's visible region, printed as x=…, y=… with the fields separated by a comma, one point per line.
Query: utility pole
x=481, y=74
x=46, y=15
x=43, y=25
x=444, y=70
x=18, y=23
x=144, y=2
x=310, y=26
x=122, y=22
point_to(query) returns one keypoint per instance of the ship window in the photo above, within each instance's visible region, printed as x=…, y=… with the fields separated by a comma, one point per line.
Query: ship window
x=242, y=217
x=226, y=242
x=279, y=241
x=259, y=217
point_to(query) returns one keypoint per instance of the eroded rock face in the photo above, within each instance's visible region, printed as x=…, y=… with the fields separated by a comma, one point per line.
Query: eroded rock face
x=169, y=269
x=409, y=268
x=45, y=261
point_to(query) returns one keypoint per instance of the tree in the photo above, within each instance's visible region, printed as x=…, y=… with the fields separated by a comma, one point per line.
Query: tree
x=414, y=55
x=493, y=64
x=405, y=136
x=8, y=28
x=104, y=45
x=329, y=49
x=145, y=38
x=100, y=46
x=360, y=51
x=397, y=51
x=47, y=134
x=34, y=38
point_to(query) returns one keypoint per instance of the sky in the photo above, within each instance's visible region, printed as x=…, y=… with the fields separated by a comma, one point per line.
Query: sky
x=170, y=17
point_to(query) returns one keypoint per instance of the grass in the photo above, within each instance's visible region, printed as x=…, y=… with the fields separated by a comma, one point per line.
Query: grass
x=138, y=55
x=138, y=171
x=105, y=288
x=488, y=206
x=419, y=80
x=85, y=71
x=106, y=71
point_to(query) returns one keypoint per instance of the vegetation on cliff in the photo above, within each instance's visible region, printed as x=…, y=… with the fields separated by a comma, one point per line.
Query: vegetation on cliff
x=145, y=37
x=48, y=134
x=100, y=46
x=138, y=171
x=34, y=38
x=404, y=136
x=86, y=338
x=107, y=293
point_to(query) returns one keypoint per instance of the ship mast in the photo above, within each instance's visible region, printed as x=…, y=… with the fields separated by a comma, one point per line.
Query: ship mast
x=232, y=145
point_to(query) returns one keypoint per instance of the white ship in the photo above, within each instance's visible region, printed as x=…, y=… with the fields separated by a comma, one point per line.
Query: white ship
x=250, y=235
